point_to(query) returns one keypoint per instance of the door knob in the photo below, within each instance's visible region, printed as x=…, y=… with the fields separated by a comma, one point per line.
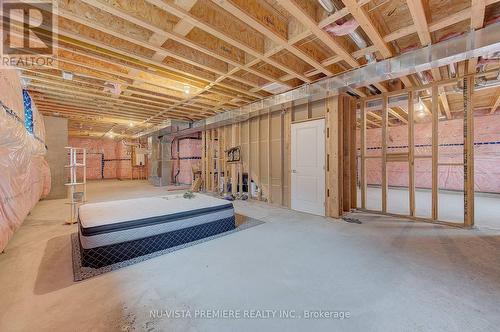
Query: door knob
x=294, y=171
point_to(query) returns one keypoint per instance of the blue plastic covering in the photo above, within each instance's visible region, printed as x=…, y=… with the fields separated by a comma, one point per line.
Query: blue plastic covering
x=28, y=112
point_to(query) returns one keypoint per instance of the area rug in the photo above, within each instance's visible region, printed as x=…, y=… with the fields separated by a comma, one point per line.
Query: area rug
x=81, y=272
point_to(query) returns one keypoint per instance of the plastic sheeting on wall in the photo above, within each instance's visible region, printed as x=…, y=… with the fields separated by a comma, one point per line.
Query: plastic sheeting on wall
x=486, y=155
x=25, y=175
x=190, y=157
x=106, y=158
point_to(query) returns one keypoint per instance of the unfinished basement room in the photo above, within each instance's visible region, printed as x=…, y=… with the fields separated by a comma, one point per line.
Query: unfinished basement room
x=250, y=165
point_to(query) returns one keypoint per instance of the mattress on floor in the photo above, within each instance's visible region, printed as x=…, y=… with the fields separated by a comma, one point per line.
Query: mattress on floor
x=111, y=232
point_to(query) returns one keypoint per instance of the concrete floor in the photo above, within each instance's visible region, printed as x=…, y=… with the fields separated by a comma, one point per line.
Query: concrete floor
x=391, y=275
x=451, y=205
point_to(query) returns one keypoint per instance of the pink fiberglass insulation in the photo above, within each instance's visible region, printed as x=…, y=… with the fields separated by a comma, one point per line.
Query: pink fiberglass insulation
x=106, y=158
x=486, y=155
x=343, y=29
x=190, y=156
x=25, y=175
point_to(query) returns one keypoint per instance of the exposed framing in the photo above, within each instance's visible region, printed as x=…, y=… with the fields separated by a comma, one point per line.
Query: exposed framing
x=468, y=164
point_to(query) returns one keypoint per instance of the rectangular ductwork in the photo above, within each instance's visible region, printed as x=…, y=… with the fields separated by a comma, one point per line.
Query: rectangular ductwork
x=469, y=45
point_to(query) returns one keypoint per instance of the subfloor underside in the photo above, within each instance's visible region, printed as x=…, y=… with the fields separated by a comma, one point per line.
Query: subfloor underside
x=389, y=274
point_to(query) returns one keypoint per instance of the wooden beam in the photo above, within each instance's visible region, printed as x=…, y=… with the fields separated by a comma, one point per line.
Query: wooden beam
x=496, y=103
x=298, y=12
x=478, y=8
x=262, y=20
x=364, y=21
x=446, y=106
x=177, y=11
x=417, y=11
x=269, y=156
x=393, y=112
x=450, y=20
x=180, y=38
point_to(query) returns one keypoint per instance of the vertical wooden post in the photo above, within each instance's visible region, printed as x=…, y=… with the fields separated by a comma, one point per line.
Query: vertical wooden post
x=384, y=153
x=411, y=153
x=224, y=166
x=363, y=154
x=468, y=84
x=220, y=159
x=354, y=193
x=282, y=157
x=213, y=161
x=288, y=155
x=309, y=108
x=210, y=161
x=269, y=156
x=234, y=174
x=240, y=164
x=203, y=159
x=333, y=158
x=259, y=176
x=346, y=153
x=249, y=161
x=435, y=151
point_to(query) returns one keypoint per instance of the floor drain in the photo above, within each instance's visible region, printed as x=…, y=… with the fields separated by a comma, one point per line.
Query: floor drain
x=352, y=220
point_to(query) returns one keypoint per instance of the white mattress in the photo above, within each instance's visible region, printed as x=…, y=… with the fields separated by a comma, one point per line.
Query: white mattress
x=115, y=222
x=105, y=213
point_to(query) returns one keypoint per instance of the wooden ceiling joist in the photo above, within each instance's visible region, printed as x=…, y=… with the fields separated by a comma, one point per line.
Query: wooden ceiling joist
x=194, y=58
x=298, y=12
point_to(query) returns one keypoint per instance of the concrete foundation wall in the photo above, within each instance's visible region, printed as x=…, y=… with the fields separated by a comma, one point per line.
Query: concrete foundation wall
x=56, y=139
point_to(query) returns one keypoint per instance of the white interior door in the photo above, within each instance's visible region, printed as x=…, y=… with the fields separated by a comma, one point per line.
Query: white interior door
x=308, y=167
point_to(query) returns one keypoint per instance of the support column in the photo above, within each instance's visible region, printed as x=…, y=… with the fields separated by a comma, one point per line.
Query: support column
x=468, y=84
x=411, y=153
x=333, y=159
x=435, y=151
x=384, y=154
x=363, y=154
x=204, y=159
x=269, y=156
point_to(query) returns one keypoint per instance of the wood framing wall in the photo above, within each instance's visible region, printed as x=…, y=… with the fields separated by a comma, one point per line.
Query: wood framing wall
x=431, y=91
x=265, y=141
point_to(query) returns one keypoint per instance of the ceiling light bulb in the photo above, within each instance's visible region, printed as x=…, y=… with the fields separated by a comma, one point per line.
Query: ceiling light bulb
x=187, y=88
x=67, y=75
x=130, y=124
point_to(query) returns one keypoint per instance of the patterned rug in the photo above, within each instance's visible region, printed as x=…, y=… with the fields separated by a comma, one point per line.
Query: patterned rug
x=81, y=273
